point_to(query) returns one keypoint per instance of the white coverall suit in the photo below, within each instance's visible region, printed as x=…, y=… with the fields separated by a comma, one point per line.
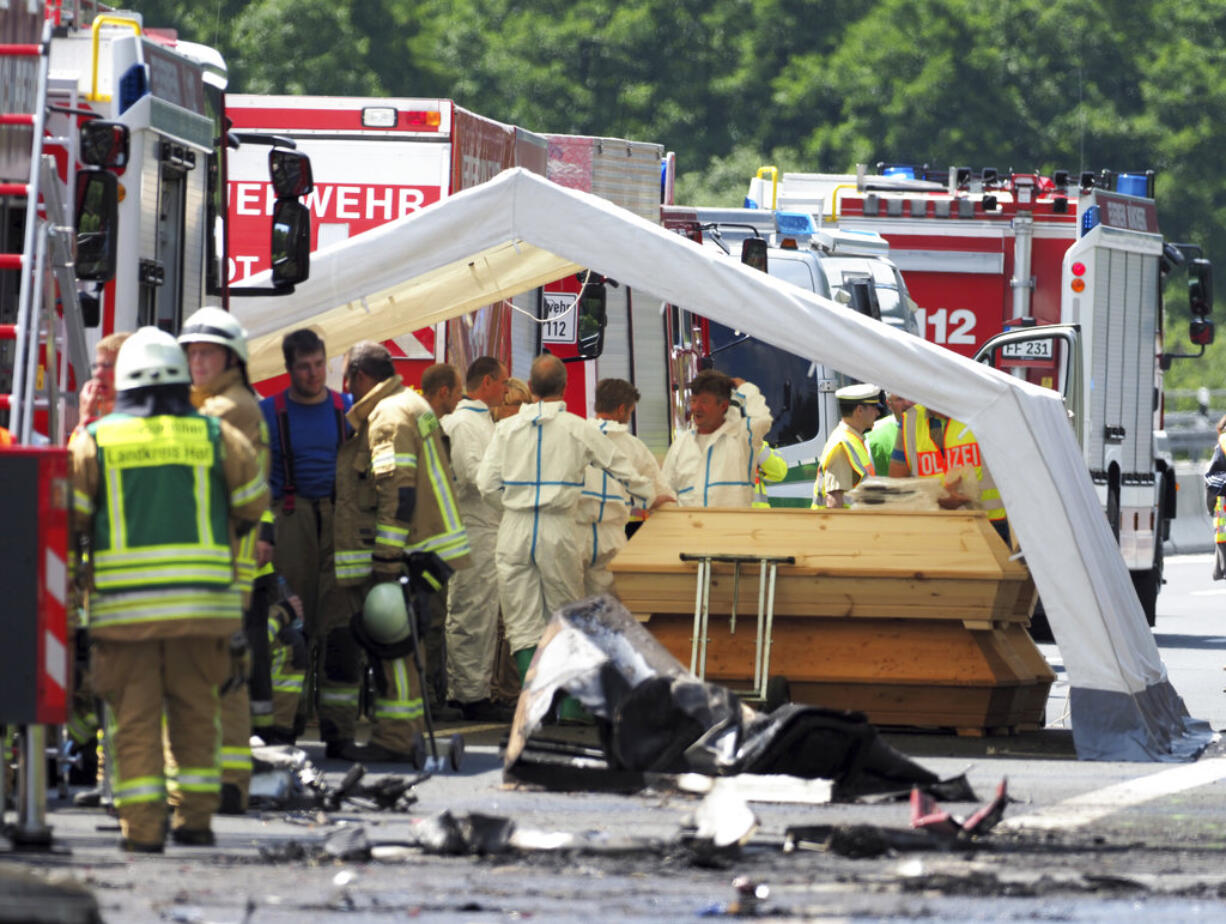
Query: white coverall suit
x=605, y=505
x=717, y=469
x=472, y=594
x=536, y=463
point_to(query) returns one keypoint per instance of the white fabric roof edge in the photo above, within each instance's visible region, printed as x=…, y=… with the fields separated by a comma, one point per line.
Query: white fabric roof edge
x=1023, y=430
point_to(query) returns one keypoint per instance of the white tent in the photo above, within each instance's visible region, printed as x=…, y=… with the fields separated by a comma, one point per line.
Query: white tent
x=519, y=231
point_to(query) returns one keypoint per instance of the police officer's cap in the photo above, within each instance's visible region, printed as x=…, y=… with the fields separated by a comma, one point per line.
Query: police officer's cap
x=860, y=393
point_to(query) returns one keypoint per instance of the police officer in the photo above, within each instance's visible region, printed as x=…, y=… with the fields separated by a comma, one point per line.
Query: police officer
x=846, y=458
x=394, y=494
x=934, y=445
x=161, y=491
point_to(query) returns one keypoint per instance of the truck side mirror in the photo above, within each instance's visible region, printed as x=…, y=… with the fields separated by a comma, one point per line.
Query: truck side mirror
x=592, y=319
x=863, y=295
x=1200, y=288
x=104, y=144
x=290, y=172
x=97, y=221
x=291, y=242
x=1200, y=331
x=753, y=253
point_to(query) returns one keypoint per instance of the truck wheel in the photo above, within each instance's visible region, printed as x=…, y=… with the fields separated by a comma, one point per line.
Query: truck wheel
x=778, y=693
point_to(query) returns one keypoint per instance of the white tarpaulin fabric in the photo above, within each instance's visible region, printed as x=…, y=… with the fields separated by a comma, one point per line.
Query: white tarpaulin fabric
x=519, y=231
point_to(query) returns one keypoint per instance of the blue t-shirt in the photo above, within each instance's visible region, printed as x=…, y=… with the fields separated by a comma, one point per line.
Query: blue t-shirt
x=313, y=441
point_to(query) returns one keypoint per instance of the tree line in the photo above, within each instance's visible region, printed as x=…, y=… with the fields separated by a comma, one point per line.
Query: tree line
x=817, y=85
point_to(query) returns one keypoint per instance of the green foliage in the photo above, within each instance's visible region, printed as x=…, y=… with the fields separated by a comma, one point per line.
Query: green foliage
x=814, y=85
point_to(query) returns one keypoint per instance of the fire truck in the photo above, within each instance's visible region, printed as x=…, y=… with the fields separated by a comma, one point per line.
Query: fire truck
x=112, y=161
x=373, y=161
x=1058, y=280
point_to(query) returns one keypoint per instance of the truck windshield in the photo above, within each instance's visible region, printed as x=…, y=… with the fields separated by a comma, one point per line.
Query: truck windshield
x=787, y=381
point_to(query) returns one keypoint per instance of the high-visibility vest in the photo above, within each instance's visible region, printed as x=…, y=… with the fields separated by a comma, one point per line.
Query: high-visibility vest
x=163, y=505
x=958, y=448
x=858, y=455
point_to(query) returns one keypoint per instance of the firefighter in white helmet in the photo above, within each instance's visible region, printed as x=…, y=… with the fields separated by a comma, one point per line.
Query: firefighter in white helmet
x=160, y=491
x=713, y=463
x=216, y=348
x=535, y=467
x=394, y=496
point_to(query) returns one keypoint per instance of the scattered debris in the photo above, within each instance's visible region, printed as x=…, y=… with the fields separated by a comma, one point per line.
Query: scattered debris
x=928, y=816
x=746, y=902
x=752, y=787
x=657, y=717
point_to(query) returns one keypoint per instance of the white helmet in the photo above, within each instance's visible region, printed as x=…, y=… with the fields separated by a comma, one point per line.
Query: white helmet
x=213, y=325
x=150, y=357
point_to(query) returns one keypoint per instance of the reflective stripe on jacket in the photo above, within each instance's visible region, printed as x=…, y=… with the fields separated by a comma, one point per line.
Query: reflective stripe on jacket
x=859, y=457
x=958, y=448
x=394, y=490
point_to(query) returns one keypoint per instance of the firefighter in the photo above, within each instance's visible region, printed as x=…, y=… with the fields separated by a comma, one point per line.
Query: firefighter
x=535, y=467
x=605, y=505
x=846, y=458
x=394, y=495
x=472, y=598
x=714, y=461
x=933, y=445
x=162, y=491
x=216, y=348
x=308, y=426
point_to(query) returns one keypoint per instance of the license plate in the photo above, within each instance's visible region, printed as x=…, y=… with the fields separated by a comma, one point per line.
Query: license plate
x=1028, y=349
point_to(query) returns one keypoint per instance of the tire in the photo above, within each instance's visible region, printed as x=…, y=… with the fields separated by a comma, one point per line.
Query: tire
x=778, y=693
x=455, y=751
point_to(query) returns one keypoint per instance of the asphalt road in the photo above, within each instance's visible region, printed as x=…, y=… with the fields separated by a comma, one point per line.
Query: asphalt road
x=1083, y=841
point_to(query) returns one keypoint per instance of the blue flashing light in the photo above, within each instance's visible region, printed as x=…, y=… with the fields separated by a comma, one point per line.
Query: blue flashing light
x=1132, y=184
x=751, y=203
x=795, y=224
x=906, y=173
x=132, y=86
x=1089, y=220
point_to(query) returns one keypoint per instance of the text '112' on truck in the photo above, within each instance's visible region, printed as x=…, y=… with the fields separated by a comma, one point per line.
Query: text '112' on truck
x=1055, y=279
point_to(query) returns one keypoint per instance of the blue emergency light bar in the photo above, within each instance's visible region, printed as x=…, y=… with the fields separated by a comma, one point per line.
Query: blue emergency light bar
x=795, y=224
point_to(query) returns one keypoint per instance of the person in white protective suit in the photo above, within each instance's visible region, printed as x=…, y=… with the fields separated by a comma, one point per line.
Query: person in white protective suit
x=713, y=462
x=535, y=464
x=605, y=505
x=472, y=595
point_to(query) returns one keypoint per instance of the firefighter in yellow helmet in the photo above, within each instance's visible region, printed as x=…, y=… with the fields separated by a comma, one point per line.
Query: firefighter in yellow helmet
x=161, y=491
x=394, y=495
x=846, y=459
x=216, y=348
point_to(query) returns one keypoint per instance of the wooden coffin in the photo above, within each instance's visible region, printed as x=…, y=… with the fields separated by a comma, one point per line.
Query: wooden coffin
x=917, y=618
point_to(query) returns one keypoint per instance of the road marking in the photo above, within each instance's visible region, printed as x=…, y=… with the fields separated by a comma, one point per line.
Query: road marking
x=1092, y=806
x=1207, y=593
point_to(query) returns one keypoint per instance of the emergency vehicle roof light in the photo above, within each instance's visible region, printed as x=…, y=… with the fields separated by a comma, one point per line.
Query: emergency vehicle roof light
x=795, y=224
x=379, y=116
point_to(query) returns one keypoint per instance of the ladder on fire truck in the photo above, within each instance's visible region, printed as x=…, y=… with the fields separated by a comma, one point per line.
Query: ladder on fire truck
x=39, y=343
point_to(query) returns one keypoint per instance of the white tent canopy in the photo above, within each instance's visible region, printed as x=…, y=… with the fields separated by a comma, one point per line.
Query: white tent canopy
x=519, y=231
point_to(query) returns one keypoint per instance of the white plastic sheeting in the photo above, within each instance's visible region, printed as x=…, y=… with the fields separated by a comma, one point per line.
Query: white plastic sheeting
x=519, y=231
